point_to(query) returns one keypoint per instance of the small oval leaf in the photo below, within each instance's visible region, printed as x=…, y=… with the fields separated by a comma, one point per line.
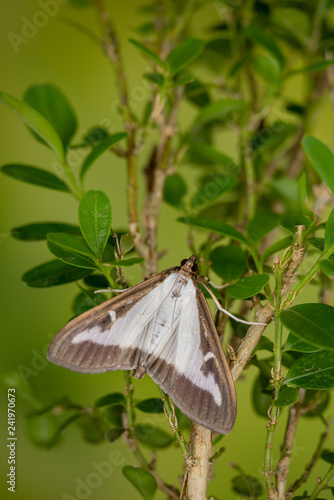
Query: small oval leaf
x=287, y=397
x=126, y=243
x=151, y=405
x=114, y=398
x=35, y=121
x=142, y=480
x=152, y=436
x=248, y=287
x=34, y=175
x=95, y=220
x=71, y=249
x=312, y=323
x=312, y=371
x=53, y=273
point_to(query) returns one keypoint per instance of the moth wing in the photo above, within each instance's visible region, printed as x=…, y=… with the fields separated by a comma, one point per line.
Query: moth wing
x=191, y=367
x=114, y=335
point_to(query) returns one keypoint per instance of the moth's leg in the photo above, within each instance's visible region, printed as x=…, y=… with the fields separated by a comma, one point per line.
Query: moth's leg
x=111, y=290
x=219, y=306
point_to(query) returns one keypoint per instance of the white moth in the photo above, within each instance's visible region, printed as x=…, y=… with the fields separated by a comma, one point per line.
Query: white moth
x=162, y=327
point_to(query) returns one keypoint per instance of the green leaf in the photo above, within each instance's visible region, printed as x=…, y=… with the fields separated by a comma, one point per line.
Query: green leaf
x=312, y=323
x=36, y=176
x=257, y=35
x=208, y=154
x=40, y=230
x=51, y=103
x=228, y=262
x=126, y=243
x=219, y=110
x=151, y=405
x=42, y=429
x=53, y=273
x=152, y=436
x=262, y=224
x=294, y=343
x=101, y=148
x=247, y=486
x=184, y=54
x=115, y=398
x=142, y=480
x=211, y=188
x=321, y=158
x=71, y=249
x=312, y=371
x=329, y=232
x=248, y=287
x=113, y=434
x=214, y=226
x=287, y=397
x=275, y=247
x=96, y=281
x=174, y=190
x=328, y=456
x=149, y=53
x=268, y=68
x=35, y=121
x=95, y=220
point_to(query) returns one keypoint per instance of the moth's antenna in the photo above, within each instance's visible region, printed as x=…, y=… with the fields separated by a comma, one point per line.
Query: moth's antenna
x=219, y=306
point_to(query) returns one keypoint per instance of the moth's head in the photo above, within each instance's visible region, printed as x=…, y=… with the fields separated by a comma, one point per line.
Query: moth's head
x=190, y=264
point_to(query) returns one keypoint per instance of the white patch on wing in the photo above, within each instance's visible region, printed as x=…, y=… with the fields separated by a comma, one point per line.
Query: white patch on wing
x=208, y=356
x=112, y=315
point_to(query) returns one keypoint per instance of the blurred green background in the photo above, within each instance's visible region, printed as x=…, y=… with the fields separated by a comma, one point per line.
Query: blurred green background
x=59, y=54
